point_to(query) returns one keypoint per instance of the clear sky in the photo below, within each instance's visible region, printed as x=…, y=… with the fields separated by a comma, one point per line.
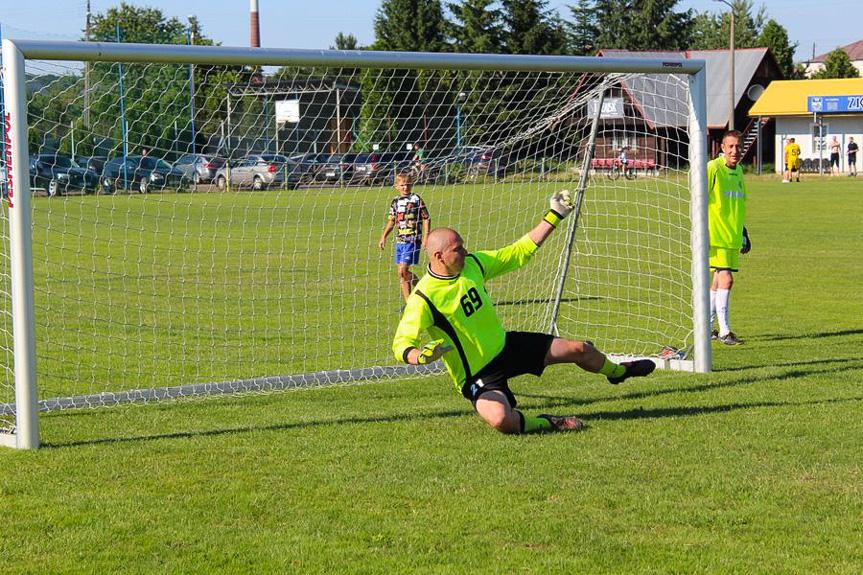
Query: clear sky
x=314, y=23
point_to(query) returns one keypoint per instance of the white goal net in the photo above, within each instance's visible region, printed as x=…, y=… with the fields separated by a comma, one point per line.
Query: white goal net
x=210, y=228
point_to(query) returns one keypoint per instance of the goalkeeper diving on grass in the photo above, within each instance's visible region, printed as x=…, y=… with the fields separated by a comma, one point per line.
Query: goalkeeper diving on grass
x=451, y=303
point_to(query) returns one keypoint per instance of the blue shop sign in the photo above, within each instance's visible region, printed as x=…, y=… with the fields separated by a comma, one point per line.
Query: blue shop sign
x=834, y=104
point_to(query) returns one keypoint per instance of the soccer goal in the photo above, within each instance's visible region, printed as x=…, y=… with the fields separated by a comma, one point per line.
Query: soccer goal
x=185, y=221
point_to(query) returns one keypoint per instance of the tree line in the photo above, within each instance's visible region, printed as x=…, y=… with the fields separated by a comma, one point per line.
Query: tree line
x=530, y=27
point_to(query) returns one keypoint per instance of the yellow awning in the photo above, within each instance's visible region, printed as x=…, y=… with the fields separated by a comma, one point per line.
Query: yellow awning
x=789, y=97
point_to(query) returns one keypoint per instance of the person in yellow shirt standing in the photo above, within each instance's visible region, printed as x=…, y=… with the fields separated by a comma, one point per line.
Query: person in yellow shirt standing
x=792, y=161
x=726, y=207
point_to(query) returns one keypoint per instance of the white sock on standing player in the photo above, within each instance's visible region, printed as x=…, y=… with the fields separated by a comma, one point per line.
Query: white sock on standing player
x=722, y=297
x=712, y=307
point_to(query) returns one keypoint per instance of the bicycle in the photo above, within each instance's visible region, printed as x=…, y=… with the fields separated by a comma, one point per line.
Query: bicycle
x=616, y=171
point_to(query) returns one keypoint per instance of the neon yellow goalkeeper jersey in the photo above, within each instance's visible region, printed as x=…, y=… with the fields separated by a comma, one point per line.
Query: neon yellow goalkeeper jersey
x=726, y=204
x=459, y=310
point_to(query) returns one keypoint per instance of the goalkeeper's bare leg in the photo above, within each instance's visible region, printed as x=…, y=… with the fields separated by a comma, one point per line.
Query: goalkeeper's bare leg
x=587, y=357
x=495, y=409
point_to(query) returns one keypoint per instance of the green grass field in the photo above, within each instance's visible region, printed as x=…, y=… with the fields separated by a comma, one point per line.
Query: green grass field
x=754, y=468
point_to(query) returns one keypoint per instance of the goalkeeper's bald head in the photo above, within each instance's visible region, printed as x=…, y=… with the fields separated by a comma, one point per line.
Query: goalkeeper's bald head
x=446, y=251
x=440, y=238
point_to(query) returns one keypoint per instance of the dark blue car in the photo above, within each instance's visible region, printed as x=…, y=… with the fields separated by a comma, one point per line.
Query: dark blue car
x=59, y=173
x=142, y=174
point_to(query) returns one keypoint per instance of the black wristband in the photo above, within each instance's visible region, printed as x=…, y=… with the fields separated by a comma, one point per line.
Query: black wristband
x=405, y=354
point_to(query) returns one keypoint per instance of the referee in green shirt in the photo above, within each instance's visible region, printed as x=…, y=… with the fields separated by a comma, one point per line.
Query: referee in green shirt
x=451, y=303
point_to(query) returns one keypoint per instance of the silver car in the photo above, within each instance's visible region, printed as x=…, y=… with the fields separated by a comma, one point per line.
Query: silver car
x=259, y=172
x=199, y=168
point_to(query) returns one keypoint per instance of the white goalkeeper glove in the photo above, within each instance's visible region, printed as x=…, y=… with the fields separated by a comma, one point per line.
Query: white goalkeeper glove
x=561, y=205
x=433, y=351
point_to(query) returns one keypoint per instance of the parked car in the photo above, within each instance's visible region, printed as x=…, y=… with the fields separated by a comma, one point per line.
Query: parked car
x=259, y=172
x=95, y=163
x=58, y=174
x=338, y=168
x=310, y=165
x=369, y=169
x=379, y=167
x=292, y=171
x=200, y=168
x=484, y=161
x=141, y=173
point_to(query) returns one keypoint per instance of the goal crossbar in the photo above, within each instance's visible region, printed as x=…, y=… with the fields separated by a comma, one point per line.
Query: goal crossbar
x=225, y=55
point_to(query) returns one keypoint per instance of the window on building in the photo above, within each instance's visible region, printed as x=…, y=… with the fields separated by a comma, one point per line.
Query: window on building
x=620, y=140
x=819, y=138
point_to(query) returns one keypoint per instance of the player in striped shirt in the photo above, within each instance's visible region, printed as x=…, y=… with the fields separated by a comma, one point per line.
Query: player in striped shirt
x=451, y=303
x=409, y=216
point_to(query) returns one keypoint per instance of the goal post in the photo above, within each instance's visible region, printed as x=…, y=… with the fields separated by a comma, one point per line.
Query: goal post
x=212, y=226
x=698, y=211
x=20, y=250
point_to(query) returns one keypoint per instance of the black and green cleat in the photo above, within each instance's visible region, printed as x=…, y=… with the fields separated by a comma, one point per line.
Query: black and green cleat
x=637, y=368
x=562, y=423
x=731, y=339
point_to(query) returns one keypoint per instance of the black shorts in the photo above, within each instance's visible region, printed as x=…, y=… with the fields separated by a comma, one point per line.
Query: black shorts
x=834, y=160
x=852, y=159
x=523, y=352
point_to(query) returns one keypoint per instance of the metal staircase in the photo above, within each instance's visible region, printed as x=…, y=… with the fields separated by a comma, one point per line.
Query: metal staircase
x=750, y=134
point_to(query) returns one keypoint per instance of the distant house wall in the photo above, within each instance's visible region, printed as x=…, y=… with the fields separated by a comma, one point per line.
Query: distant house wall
x=639, y=145
x=812, y=67
x=803, y=130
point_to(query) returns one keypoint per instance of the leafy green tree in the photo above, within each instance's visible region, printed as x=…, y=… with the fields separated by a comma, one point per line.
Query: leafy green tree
x=583, y=30
x=156, y=96
x=614, y=21
x=837, y=65
x=530, y=28
x=775, y=37
x=410, y=25
x=497, y=102
x=406, y=106
x=660, y=26
x=55, y=112
x=711, y=31
x=345, y=42
x=642, y=25
x=476, y=27
x=157, y=107
x=140, y=25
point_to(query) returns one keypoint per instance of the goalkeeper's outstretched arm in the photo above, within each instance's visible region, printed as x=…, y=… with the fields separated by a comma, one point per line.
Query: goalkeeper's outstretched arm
x=417, y=318
x=560, y=206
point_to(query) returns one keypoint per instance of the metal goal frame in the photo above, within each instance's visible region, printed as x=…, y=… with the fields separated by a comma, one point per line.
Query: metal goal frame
x=25, y=434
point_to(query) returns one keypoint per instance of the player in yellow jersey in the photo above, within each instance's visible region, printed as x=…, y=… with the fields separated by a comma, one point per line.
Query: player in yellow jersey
x=726, y=207
x=452, y=304
x=792, y=161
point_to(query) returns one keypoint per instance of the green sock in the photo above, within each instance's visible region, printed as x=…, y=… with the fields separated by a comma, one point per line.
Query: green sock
x=531, y=424
x=611, y=369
